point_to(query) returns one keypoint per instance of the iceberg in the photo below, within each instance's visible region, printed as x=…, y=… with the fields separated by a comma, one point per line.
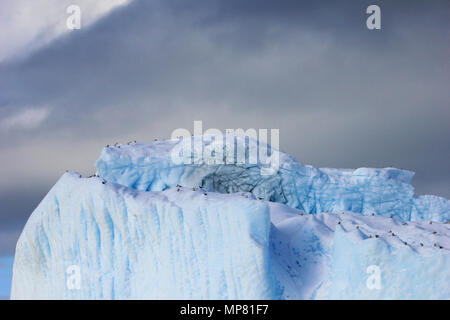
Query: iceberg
x=386, y=192
x=177, y=244
x=146, y=228
x=329, y=256
x=406, y=271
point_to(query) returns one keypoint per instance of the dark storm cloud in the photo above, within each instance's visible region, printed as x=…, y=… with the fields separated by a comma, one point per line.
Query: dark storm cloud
x=8, y=240
x=14, y=209
x=16, y=206
x=342, y=96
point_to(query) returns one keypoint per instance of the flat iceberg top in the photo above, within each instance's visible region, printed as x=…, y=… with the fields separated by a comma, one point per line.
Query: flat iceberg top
x=400, y=175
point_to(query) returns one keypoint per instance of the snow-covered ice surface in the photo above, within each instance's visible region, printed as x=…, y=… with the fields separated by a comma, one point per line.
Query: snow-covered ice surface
x=386, y=192
x=145, y=230
x=407, y=270
x=326, y=256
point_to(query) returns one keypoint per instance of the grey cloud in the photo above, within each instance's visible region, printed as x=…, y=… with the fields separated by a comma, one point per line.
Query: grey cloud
x=8, y=240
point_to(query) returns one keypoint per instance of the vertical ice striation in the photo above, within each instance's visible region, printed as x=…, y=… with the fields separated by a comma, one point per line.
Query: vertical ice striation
x=177, y=244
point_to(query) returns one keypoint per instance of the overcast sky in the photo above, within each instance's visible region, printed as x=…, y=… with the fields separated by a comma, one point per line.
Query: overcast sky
x=341, y=95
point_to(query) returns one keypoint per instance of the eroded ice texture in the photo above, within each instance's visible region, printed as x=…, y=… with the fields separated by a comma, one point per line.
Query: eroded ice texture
x=144, y=245
x=386, y=192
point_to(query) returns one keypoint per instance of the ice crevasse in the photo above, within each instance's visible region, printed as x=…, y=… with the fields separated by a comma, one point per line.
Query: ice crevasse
x=145, y=228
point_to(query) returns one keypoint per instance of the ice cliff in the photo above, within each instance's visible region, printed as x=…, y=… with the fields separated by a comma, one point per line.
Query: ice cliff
x=146, y=228
x=144, y=245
